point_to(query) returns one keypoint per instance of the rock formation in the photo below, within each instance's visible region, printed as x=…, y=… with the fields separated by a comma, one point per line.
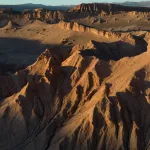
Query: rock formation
x=91, y=96
x=45, y=15
x=41, y=14
x=115, y=50
x=140, y=14
x=80, y=102
x=105, y=8
x=74, y=26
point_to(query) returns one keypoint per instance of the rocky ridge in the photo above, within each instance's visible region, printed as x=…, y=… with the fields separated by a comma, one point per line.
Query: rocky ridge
x=94, y=96
x=82, y=99
x=107, y=8
x=88, y=9
x=44, y=15
x=74, y=26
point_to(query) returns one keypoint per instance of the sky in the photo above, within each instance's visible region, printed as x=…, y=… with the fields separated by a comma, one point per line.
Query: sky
x=57, y=2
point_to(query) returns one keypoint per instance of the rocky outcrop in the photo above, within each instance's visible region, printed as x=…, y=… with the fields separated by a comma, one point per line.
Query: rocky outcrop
x=139, y=14
x=74, y=26
x=105, y=8
x=45, y=15
x=7, y=14
x=41, y=14
x=94, y=8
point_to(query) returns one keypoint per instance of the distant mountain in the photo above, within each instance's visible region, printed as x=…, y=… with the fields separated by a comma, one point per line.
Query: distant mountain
x=137, y=4
x=34, y=6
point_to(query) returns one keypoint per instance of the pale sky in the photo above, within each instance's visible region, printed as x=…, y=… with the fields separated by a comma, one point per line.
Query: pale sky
x=57, y=2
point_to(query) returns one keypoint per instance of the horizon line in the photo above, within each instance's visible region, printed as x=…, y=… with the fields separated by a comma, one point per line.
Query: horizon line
x=74, y=4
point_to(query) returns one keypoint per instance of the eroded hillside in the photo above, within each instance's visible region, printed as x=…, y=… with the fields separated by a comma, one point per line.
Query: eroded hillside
x=84, y=101
x=68, y=84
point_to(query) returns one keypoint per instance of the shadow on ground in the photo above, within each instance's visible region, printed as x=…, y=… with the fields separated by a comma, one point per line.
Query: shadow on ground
x=17, y=53
x=116, y=50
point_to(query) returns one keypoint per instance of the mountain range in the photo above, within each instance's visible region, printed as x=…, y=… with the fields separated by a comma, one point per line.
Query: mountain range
x=21, y=7
x=137, y=4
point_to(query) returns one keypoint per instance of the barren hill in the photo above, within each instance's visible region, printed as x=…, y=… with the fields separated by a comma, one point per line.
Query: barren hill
x=81, y=99
x=75, y=80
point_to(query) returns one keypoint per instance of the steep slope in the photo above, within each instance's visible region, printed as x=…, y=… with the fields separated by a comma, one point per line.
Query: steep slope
x=81, y=102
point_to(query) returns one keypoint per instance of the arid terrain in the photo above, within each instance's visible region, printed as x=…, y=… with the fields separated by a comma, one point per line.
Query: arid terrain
x=76, y=79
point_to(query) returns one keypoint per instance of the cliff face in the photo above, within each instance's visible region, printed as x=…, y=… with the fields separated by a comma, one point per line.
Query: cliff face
x=105, y=8
x=74, y=26
x=82, y=102
x=7, y=14
x=93, y=8
x=42, y=14
x=45, y=15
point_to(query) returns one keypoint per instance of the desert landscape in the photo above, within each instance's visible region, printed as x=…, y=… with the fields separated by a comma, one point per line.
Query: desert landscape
x=75, y=77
